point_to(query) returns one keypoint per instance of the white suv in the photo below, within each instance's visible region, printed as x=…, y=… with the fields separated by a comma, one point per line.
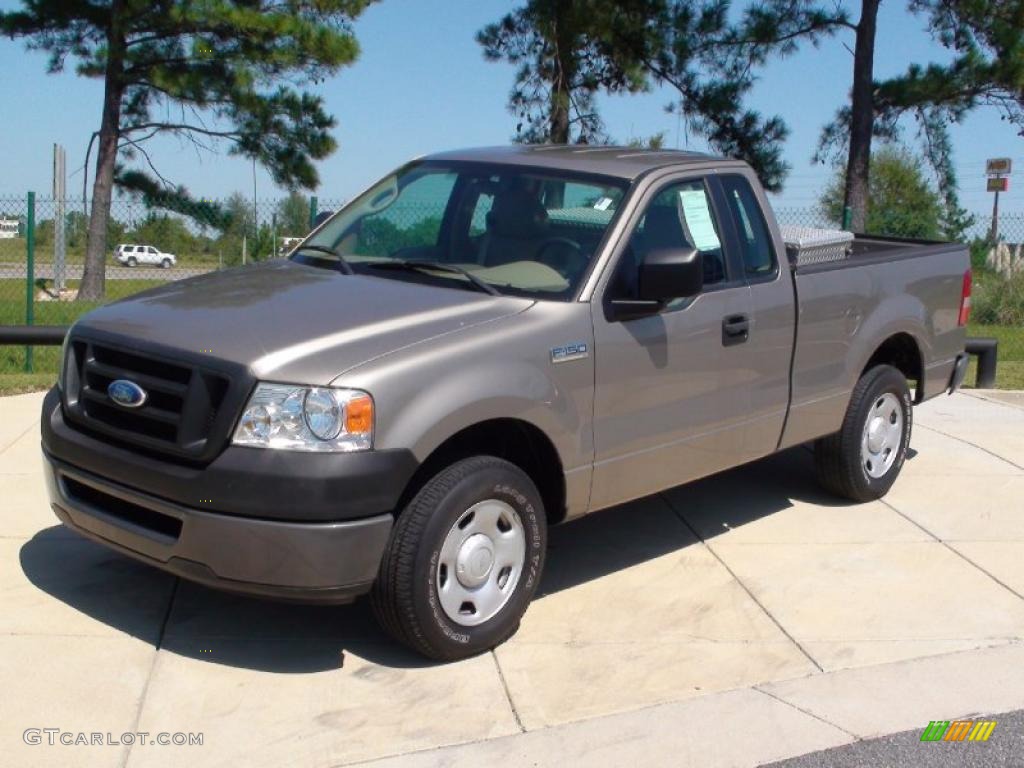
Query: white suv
x=133, y=255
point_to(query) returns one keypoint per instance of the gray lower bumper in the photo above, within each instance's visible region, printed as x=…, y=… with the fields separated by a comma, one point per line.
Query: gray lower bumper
x=312, y=562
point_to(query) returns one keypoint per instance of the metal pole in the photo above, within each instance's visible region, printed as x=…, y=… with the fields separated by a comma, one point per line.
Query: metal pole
x=255, y=212
x=312, y=210
x=59, y=221
x=995, y=219
x=30, y=272
x=847, y=217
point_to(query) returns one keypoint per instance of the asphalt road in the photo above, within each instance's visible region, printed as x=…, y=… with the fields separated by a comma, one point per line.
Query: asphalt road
x=906, y=750
x=14, y=270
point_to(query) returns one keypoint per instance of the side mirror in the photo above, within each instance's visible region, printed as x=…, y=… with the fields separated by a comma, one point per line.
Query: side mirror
x=321, y=217
x=671, y=273
x=665, y=274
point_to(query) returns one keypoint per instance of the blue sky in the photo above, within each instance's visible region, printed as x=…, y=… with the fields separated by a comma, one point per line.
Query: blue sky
x=421, y=85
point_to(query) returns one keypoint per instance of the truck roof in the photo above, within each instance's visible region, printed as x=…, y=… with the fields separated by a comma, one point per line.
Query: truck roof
x=623, y=162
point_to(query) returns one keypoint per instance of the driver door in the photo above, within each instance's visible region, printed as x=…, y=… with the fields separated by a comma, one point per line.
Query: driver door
x=672, y=390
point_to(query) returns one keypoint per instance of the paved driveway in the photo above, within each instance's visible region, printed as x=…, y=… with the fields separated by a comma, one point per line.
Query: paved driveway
x=745, y=579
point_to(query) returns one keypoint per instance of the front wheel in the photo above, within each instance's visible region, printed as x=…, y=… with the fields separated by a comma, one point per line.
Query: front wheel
x=165, y=264
x=863, y=459
x=463, y=561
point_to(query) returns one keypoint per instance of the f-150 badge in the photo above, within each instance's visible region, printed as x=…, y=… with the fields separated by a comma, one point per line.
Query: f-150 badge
x=575, y=351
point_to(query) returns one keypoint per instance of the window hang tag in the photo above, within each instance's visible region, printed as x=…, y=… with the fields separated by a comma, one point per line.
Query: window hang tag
x=699, y=220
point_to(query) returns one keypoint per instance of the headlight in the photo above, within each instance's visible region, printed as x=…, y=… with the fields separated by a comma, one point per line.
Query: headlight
x=307, y=419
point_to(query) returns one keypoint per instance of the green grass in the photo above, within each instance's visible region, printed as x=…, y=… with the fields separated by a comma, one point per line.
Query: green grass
x=18, y=383
x=13, y=252
x=47, y=358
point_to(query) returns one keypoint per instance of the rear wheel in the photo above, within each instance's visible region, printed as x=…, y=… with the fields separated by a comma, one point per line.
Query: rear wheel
x=464, y=560
x=132, y=261
x=863, y=459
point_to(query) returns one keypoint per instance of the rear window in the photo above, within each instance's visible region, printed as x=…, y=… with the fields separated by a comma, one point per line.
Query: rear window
x=752, y=230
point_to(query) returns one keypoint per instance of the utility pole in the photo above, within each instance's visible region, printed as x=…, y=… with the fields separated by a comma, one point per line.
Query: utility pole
x=994, y=235
x=998, y=171
x=59, y=219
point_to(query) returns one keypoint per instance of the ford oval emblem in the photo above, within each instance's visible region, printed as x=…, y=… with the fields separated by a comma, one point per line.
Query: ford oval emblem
x=126, y=393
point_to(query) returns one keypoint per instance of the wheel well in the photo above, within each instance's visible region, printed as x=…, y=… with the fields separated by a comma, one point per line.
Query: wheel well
x=901, y=352
x=516, y=441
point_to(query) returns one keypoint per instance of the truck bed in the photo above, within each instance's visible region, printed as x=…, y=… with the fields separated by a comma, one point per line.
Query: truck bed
x=874, y=249
x=887, y=286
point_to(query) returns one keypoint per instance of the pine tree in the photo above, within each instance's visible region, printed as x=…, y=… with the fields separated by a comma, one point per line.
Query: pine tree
x=208, y=71
x=568, y=52
x=986, y=38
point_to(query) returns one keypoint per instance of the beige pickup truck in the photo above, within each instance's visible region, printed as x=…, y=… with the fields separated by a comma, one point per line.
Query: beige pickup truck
x=482, y=345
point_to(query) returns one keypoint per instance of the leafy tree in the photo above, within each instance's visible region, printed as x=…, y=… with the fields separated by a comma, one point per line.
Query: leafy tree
x=901, y=202
x=227, y=70
x=293, y=215
x=379, y=235
x=238, y=222
x=166, y=233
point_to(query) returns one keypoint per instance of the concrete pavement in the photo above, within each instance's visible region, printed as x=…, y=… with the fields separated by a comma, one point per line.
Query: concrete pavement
x=745, y=618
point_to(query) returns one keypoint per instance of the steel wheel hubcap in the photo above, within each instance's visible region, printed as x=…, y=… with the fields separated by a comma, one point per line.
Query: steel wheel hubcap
x=883, y=433
x=480, y=562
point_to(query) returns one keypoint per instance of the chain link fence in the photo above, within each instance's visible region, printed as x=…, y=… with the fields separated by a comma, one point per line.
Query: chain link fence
x=150, y=244
x=43, y=241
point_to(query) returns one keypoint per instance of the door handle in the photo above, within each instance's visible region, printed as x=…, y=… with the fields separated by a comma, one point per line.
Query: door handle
x=735, y=329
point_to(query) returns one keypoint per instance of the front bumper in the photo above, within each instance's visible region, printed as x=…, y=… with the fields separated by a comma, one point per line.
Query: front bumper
x=216, y=539
x=247, y=482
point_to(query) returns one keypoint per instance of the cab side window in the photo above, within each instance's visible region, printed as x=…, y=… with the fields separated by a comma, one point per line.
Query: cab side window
x=680, y=216
x=754, y=238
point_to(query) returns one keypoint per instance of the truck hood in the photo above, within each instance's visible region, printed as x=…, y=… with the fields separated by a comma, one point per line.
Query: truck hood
x=291, y=322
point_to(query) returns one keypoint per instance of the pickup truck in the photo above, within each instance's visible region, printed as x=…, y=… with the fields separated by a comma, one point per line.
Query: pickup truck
x=484, y=344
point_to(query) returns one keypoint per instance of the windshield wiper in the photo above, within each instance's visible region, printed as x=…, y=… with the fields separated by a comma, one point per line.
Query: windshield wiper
x=424, y=266
x=343, y=266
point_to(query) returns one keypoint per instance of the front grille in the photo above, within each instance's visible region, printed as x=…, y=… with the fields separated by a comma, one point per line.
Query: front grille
x=123, y=510
x=187, y=411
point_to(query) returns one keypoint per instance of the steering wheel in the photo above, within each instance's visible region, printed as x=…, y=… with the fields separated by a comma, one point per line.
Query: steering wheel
x=562, y=266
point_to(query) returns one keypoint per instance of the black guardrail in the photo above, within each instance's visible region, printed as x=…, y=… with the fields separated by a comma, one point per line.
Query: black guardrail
x=34, y=335
x=987, y=351
x=41, y=335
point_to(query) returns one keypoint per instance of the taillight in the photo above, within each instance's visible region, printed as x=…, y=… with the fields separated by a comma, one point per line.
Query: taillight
x=965, y=299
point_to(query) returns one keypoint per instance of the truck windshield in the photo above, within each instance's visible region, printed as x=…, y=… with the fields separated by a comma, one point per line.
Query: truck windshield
x=520, y=231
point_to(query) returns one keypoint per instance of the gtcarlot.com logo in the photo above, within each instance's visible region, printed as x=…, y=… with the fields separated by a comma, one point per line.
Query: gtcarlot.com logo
x=57, y=736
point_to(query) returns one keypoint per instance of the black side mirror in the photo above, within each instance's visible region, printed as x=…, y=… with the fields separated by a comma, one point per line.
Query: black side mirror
x=671, y=273
x=321, y=217
x=665, y=274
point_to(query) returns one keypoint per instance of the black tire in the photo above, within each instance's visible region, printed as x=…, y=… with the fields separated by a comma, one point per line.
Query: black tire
x=838, y=457
x=405, y=598
x=165, y=264
x=132, y=262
